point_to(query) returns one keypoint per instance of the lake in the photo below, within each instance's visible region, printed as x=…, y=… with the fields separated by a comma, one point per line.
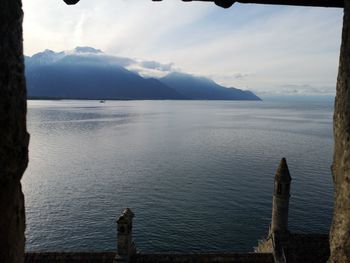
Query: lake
x=197, y=174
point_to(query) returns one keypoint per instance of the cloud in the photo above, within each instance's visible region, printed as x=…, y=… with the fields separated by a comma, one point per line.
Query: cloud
x=146, y=68
x=240, y=75
x=152, y=68
x=298, y=90
x=157, y=66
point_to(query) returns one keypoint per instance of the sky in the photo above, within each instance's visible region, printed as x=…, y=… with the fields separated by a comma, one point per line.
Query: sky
x=270, y=50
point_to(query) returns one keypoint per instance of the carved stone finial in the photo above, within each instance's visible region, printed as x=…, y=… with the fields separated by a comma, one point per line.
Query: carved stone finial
x=282, y=173
x=280, y=201
x=126, y=216
x=125, y=244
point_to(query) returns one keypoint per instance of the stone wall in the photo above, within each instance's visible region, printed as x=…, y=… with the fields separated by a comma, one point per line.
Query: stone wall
x=205, y=258
x=13, y=135
x=300, y=248
x=340, y=232
x=306, y=248
x=107, y=257
x=78, y=257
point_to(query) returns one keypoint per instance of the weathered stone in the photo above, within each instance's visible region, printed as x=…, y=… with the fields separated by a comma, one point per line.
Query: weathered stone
x=125, y=244
x=340, y=231
x=280, y=201
x=69, y=257
x=13, y=135
x=205, y=258
x=106, y=257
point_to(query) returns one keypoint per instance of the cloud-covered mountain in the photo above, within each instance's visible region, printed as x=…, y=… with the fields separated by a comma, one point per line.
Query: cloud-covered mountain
x=89, y=73
x=201, y=88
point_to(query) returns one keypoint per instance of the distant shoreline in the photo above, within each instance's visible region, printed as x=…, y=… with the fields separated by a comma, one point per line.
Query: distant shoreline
x=109, y=99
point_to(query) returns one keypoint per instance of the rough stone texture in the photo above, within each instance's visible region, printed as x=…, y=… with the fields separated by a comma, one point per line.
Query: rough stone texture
x=340, y=231
x=125, y=244
x=279, y=222
x=13, y=135
x=280, y=201
x=264, y=246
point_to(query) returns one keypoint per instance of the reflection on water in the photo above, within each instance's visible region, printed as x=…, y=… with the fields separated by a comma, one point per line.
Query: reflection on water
x=198, y=174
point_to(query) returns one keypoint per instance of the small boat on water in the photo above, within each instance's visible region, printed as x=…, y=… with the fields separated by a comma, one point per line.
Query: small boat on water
x=102, y=101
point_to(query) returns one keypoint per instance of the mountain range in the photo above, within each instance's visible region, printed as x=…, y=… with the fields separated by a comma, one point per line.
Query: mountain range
x=88, y=73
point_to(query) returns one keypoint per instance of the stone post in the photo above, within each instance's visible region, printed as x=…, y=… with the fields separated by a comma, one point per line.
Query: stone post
x=340, y=230
x=280, y=202
x=126, y=247
x=13, y=134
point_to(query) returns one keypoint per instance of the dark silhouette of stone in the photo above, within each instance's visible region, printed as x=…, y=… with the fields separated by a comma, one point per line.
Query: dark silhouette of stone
x=280, y=203
x=107, y=257
x=13, y=135
x=340, y=231
x=282, y=173
x=125, y=244
x=224, y=3
x=229, y=3
x=71, y=2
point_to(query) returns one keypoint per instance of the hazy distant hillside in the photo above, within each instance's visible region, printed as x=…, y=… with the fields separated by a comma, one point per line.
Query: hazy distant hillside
x=74, y=75
x=204, y=88
x=89, y=73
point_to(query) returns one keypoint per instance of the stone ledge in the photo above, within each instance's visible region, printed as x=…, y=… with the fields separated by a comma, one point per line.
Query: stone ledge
x=107, y=257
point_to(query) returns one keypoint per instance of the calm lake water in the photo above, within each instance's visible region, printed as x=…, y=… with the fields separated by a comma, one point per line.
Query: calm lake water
x=198, y=174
